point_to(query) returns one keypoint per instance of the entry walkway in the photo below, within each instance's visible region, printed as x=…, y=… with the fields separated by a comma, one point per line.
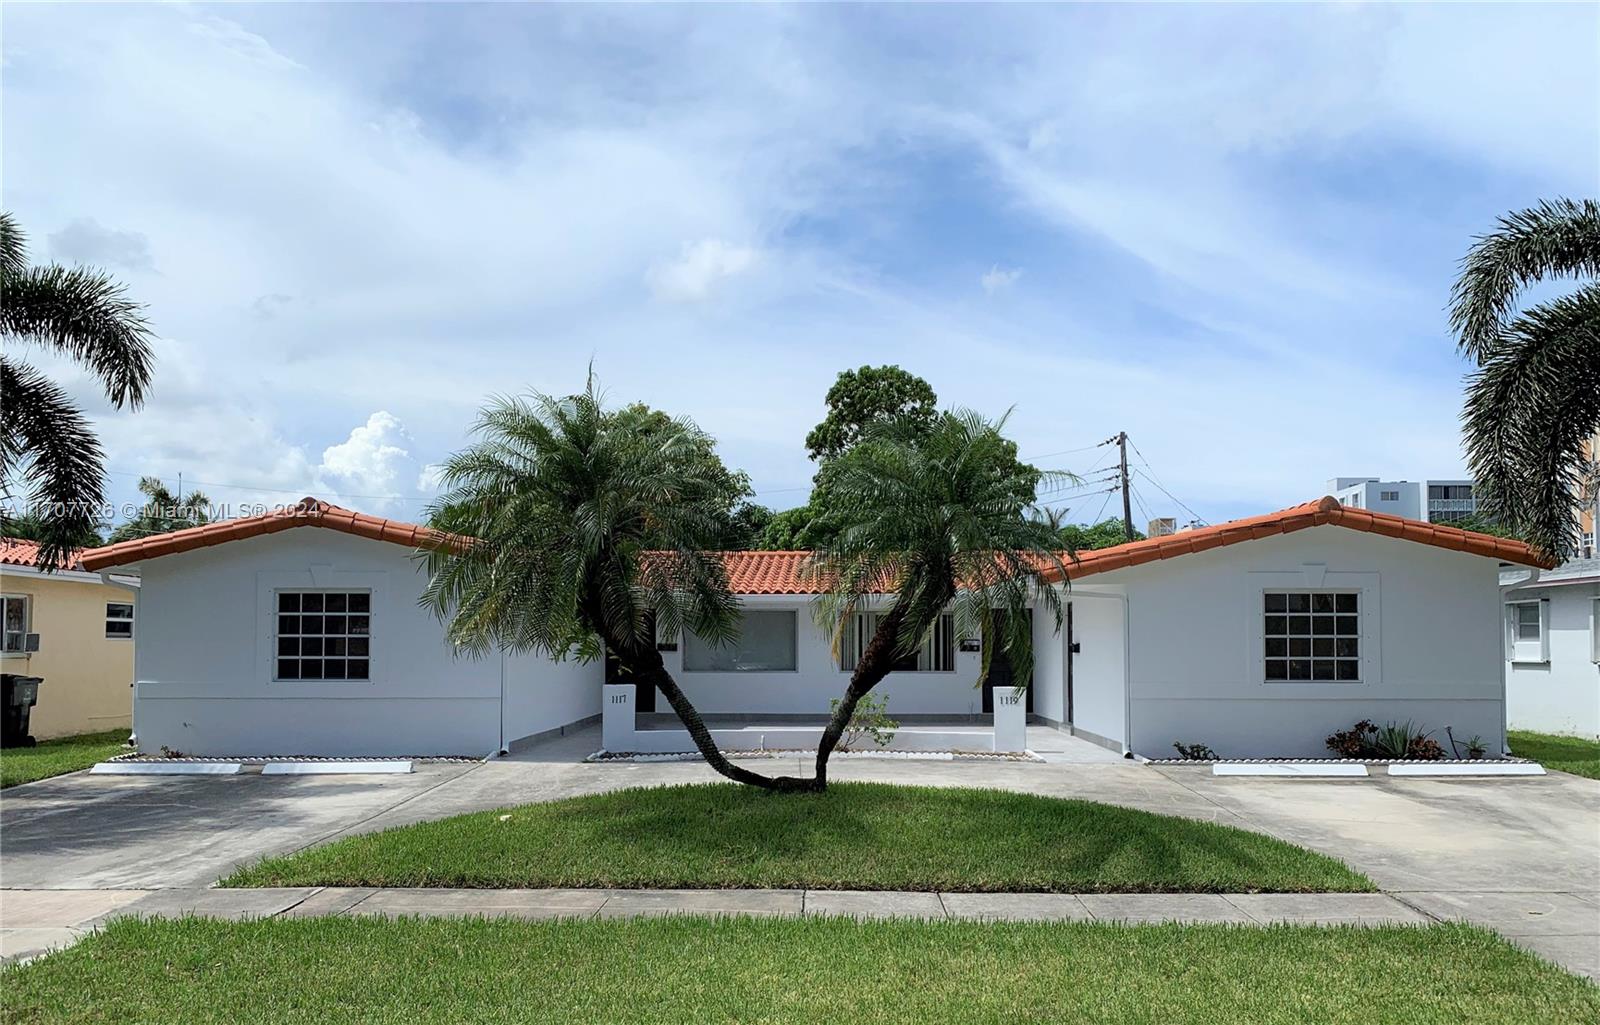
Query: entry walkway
x=33, y=921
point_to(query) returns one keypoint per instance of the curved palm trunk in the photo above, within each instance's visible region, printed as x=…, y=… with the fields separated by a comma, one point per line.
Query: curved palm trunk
x=647, y=666
x=876, y=662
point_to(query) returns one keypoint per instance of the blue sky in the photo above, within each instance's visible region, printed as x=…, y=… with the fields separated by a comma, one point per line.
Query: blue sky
x=1227, y=230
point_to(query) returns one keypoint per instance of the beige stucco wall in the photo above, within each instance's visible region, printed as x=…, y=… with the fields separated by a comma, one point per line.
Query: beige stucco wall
x=87, y=676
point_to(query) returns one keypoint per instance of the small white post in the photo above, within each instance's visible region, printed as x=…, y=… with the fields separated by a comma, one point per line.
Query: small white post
x=616, y=717
x=1010, y=719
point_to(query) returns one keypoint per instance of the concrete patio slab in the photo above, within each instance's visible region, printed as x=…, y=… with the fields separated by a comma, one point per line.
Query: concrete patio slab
x=330, y=900
x=485, y=903
x=1514, y=914
x=1326, y=908
x=27, y=909
x=636, y=903
x=25, y=944
x=1016, y=907
x=214, y=903
x=1136, y=908
x=874, y=904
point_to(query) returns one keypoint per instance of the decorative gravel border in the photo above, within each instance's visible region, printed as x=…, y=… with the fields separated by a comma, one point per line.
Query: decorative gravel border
x=1337, y=761
x=910, y=756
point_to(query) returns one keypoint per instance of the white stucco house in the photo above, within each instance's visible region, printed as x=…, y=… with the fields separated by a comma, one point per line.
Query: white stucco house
x=299, y=632
x=1552, y=648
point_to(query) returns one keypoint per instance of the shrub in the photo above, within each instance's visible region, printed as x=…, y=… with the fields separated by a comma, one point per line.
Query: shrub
x=1195, y=752
x=1366, y=739
x=870, y=719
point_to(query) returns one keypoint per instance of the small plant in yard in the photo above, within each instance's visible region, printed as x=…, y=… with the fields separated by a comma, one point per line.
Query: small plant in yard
x=870, y=720
x=1476, y=747
x=1194, y=752
x=1392, y=740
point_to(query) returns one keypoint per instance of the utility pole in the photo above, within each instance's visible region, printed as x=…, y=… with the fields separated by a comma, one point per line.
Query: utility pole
x=1127, y=508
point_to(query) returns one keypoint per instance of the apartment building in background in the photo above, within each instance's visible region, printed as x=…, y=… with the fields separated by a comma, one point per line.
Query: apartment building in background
x=1436, y=501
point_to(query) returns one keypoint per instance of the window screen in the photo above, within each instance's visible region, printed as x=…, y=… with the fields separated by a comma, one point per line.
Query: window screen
x=324, y=635
x=1312, y=635
x=766, y=644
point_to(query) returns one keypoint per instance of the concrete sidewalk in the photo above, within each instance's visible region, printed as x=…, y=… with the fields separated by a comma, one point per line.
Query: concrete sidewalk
x=34, y=921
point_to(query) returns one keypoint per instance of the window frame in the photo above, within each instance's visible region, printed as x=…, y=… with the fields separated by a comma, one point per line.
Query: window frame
x=794, y=645
x=945, y=625
x=27, y=625
x=274, y=657
x=1264, y=639
x=1527, y=652
x=129, y=618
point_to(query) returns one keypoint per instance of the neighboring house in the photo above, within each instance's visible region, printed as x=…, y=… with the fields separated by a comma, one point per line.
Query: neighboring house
x=1436, y=501
x=1588, y=496
x=1552, y=648
x=84, y=633
x=1258, y=637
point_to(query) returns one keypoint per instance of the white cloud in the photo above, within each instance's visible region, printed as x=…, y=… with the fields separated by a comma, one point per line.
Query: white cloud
x=998, y=279
x=428, y=478
x=699, y=269
x=86, y=241
x=373, y=460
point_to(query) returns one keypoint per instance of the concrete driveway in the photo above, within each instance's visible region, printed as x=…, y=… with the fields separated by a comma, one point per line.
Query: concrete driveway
x=1520, y=855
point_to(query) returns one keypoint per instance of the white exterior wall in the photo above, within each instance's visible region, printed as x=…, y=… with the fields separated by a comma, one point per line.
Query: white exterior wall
x=203, y=665
x=1561, y=695
x=818, y=680
x=1099, y=697
x=1430, y=633
x=1049, y=665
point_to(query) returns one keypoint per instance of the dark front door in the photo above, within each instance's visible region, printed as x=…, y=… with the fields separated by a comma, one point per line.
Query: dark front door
x=1001, y=673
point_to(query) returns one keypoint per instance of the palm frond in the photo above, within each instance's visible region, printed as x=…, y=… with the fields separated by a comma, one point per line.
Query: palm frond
x=1557, y=238
x=48, y=443
x=86, y=315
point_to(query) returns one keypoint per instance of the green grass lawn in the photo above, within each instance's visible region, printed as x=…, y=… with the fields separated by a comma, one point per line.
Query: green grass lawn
x=53, y=757
x=1576, y=755
x=870, y=836
x=333, y=970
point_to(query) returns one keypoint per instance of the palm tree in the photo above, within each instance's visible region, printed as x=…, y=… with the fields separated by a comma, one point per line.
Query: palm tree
x=47, y=447
x=939, y=517
x=1535, y=397
x=163, y=512
x=592, y=529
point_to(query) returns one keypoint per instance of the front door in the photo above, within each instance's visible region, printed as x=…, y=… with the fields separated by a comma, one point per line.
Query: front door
x=1001, y=673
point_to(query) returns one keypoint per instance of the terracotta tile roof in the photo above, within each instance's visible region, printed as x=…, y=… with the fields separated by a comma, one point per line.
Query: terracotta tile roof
x=308, y=512
x=15, y=551
x=784, y=572
x=1326, y=510
x=769, y=573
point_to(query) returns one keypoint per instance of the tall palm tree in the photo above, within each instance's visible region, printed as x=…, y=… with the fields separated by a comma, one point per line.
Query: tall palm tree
x=47, y=448
x=940, y=517
x=163, y=512
x=592, y=529
x=1535, y=397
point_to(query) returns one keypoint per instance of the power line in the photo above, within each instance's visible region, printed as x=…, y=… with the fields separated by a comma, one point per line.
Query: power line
x=1150, y=476
x=1101, y=514
x=1063, y=452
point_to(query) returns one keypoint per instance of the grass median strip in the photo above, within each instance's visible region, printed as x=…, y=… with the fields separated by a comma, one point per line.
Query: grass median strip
x=770, y=970
x=61, y=755
x=869, y=836
x=1577, y=755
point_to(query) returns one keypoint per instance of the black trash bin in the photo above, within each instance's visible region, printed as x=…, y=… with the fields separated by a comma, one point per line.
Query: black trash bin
x=18, y=695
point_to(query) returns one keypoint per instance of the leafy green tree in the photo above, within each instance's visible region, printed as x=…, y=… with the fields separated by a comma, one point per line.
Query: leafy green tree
x=163, y=512
x=563, y=500
x=48, y=451
x=789, y=530
x=1082, y=536
x=937, y=518
x=1535, y=397
x=864, y=397
x=742, y=522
